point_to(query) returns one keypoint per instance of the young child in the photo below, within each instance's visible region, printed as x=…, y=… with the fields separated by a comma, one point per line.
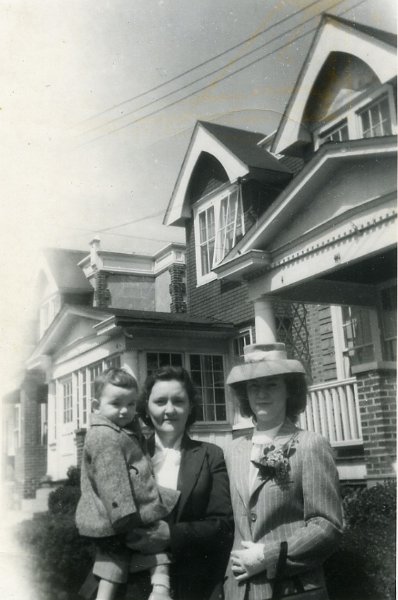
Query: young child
x=118, y=489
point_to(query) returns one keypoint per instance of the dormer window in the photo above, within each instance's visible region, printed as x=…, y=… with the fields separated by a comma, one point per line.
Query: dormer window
x=337, y=133
x=219, y=226
x=376, y=118
x=372, y=116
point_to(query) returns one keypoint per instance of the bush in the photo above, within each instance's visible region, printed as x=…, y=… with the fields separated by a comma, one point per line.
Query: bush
x=61, y=558
x=364, y=567
x=63, y=500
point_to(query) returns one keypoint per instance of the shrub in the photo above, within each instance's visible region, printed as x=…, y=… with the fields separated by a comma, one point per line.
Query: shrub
x=364, y=567
x=61, y=558
x=64, y=499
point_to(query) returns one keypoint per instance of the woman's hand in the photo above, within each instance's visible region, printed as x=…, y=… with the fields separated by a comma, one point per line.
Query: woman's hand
x=152, y=540
x=248, y=562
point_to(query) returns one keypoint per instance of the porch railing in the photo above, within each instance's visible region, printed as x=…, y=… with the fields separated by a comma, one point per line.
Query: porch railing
x=333, y=411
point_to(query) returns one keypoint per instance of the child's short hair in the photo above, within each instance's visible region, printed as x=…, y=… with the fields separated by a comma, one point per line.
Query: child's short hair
x=119, y=377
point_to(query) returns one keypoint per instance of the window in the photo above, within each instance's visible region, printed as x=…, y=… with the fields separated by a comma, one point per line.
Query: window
x=156, y=360
x=357, y=329
x=388, y=297
x=207, y=239
x=113, y=362
x=207, y=372
x=338, y=133
x=244, y=338
x=82, y=391
x=219, y=225
x=67, y=400
x=83, y=394
x=94, y=371
x=43, y=424
x=372, y=115
x=230, y=226
x=376, y=119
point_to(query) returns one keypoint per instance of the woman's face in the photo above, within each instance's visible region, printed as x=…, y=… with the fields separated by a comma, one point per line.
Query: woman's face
x=267, y=398
x=168, y=408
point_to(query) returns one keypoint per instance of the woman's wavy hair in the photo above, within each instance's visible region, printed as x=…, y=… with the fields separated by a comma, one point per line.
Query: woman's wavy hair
x=296, y=401
x=168, y=373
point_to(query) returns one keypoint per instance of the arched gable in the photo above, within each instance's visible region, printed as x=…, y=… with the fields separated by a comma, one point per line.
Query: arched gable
x=207, y=175
x=332, y=36
x=342, y=77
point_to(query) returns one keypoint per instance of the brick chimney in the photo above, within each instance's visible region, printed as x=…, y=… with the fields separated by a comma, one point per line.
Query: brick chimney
x=102, y=297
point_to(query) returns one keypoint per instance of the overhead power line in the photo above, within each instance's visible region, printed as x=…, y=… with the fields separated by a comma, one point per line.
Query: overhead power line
x=228, y=75
x=217, y=70
x=202, y=64
x=155, y=214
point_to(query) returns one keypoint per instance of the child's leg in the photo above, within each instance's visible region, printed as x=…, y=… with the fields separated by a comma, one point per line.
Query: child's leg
x=160, y=580
x=106, y=590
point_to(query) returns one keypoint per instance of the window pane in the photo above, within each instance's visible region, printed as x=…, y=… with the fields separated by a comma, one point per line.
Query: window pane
x=389, y=321
x=376, y=119
x=208, y=376
x=176, y=360
x=204, y=260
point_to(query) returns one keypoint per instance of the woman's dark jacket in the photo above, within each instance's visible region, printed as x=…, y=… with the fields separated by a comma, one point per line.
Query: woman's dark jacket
x=201, y=525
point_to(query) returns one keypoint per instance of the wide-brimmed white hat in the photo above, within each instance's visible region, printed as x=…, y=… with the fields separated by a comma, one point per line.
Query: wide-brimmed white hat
x=264, y=360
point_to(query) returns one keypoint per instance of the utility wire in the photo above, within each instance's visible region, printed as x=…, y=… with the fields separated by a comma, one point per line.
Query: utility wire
x=205, y=62
x=215, y=82
x=202, y=77
x=155, y=214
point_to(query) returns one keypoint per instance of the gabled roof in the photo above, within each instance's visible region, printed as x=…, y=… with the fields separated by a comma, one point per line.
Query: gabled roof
x=236, y=150
x=334, y=34
x=296, y=194
x=63, y=265
x=244, y=144
x=379, y=34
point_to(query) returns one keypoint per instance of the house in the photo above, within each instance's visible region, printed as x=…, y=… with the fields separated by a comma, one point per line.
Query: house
x=289, y=236
x=95, y=311
x=305, y=219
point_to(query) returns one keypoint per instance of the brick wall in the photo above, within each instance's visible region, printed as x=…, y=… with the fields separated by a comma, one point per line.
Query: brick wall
x=177, y=289
x=217, y=300
x=102, y=297
x=378, y=411
x=31, y=457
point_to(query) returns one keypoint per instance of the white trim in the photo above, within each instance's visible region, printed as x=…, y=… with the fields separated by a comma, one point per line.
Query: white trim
x=351, y=114
x=273, y=222
x=332, y=36
x=202, y=141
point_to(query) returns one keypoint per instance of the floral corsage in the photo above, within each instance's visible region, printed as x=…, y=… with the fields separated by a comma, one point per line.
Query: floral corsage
x=274, y=462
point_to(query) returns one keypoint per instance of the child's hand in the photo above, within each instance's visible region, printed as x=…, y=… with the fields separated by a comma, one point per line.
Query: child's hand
x=152, y=540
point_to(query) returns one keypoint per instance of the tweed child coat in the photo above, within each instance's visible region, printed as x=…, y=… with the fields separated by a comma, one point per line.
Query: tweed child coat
x=305, y=512
x=117, y=484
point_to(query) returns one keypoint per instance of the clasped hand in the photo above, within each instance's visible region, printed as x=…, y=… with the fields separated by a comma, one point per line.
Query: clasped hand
x=247, y=562
x=152, y=540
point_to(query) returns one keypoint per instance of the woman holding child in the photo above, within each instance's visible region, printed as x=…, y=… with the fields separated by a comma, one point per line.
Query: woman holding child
x=198, y=534
x=284, y=486
x=180, y=554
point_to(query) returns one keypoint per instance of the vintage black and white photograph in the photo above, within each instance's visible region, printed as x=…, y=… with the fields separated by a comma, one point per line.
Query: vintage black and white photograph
x=198, y=335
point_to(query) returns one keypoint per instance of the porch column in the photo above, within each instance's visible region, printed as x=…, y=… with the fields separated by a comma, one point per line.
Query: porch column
x=264, y=321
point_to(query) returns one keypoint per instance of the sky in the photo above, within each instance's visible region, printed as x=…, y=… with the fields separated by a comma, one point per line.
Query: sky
x=89, y=147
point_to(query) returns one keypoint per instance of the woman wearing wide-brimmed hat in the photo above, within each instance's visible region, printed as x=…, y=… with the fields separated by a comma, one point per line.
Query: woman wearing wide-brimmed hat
x=284, y=486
